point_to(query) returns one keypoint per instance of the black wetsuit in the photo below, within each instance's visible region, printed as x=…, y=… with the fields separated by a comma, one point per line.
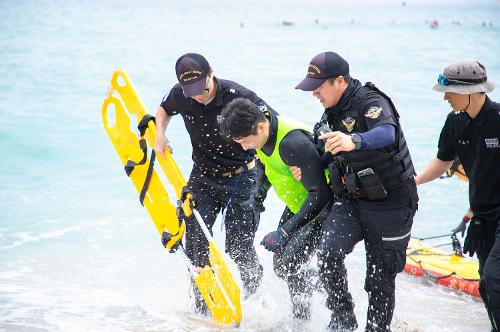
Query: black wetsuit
x=298, y=149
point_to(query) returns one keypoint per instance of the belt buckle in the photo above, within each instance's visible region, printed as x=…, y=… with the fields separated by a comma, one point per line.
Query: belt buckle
x=227, y=174
x=250, y=165
x=238, y=170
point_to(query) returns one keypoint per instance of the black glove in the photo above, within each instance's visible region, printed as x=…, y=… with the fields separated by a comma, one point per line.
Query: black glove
x=275, y=240
x=475, y=239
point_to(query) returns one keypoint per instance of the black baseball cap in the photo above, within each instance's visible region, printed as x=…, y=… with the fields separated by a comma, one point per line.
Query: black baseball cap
x=191, y=70
x=322, y=67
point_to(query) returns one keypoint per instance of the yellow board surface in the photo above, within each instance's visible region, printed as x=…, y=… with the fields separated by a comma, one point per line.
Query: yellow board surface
x=442, y=267
x=441, y=261
x=215, y=281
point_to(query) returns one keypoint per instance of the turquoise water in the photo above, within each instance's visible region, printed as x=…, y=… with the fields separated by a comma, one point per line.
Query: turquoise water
x=77, y=251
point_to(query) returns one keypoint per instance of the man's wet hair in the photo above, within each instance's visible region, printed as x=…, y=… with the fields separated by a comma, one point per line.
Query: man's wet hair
x=240, y=118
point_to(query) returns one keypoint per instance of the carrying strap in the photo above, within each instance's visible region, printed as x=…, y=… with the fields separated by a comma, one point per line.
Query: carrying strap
x=143, y=124
x=148, y=177
x=130, y=165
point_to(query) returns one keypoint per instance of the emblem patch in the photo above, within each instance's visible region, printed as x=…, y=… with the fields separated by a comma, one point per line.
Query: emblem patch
x=349, y=123
x=491, y=143
x=313, y=70
x=374, y=112
x=263, y=108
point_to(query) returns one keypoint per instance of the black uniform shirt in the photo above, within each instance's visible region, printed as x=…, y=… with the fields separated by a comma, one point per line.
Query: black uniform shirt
x=477, y=144
x=297, y=149
x=212, y=153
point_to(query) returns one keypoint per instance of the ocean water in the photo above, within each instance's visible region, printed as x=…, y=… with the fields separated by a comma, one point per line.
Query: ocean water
x=79, y=253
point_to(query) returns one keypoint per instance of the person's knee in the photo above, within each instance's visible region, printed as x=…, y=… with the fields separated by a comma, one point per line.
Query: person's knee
x=333, y=248
x=242, y=215
x=239, y=238
x=239, y=253
x=330, y=257
x=339, y=235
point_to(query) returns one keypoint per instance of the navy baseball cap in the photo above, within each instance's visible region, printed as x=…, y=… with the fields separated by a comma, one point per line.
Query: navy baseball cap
x=191, y=70
x=322, y=67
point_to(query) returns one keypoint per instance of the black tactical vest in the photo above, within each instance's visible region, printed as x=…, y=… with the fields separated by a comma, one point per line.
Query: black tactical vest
x=392, y=164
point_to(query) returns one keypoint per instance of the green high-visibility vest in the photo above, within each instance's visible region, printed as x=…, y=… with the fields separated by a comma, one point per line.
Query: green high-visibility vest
x=289, y=190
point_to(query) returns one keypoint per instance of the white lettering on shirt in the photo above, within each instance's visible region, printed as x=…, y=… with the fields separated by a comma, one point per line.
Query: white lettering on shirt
x=492, y=143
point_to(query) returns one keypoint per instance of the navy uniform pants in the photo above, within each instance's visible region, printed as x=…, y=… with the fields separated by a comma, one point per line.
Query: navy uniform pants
x=386, y=233
x=235, y=194
x=489, y=272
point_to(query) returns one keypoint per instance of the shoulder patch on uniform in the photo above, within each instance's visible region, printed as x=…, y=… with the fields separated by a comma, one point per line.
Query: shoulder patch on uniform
x=373, y=112
x=349, y=123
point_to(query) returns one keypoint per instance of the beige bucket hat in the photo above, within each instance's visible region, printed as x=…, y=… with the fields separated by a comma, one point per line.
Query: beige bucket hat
x=464, y=77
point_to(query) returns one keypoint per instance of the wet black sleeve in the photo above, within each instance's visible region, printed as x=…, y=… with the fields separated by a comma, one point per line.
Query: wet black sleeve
x=298, y=149
x=285, y=216
x=446, y=150
x=169, y=102
x=263, y=185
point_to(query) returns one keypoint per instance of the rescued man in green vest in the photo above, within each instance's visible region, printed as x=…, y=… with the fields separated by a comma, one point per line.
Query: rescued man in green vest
x=281, y=142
